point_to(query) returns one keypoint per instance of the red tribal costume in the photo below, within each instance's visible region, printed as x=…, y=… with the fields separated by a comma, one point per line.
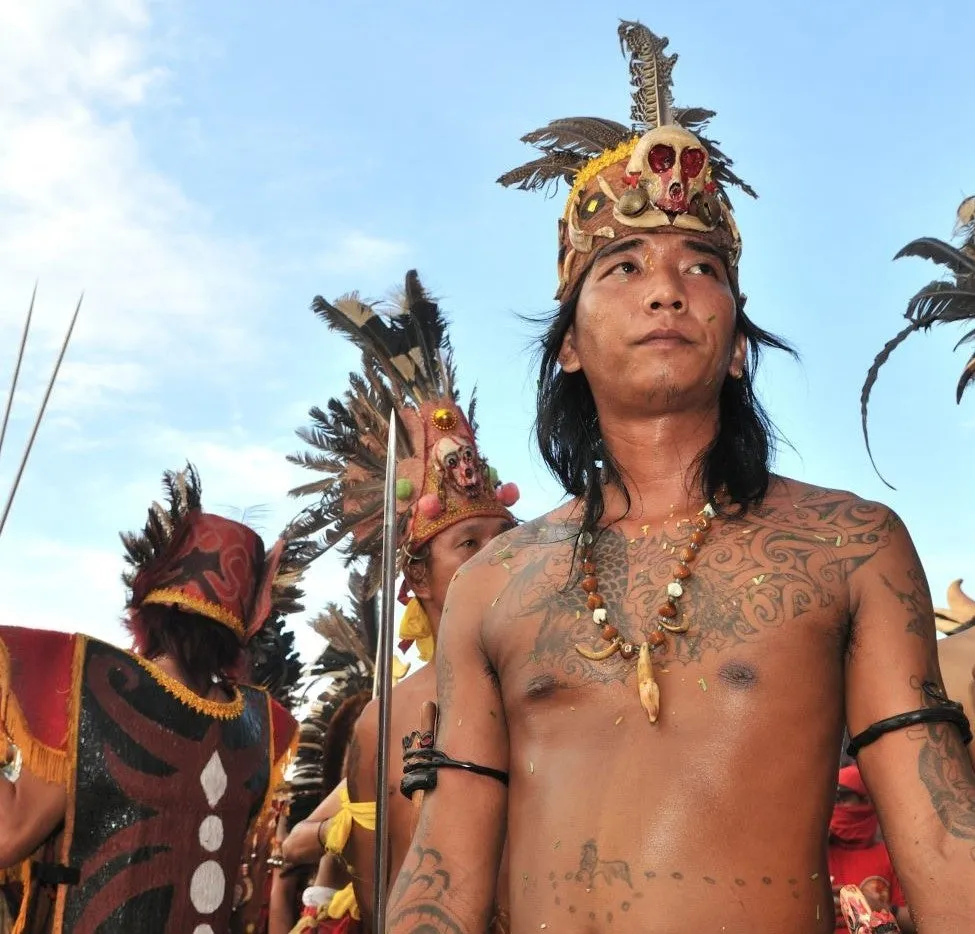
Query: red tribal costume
x=162, y=784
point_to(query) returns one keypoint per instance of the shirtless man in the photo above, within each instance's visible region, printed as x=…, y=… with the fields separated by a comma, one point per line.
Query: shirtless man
x=450, y=506
x=732, y=641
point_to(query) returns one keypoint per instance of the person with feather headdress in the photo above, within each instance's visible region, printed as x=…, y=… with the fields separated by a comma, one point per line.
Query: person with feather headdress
x=450, y=505
x=132, y=780
x=315, y=885
x=651, y=680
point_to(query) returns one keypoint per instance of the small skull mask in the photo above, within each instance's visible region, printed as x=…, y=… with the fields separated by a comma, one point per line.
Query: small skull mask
x=459, y=464
x=671, y=163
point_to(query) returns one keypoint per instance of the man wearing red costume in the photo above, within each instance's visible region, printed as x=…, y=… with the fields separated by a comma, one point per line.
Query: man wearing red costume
x=856, y=855
x=130, y=780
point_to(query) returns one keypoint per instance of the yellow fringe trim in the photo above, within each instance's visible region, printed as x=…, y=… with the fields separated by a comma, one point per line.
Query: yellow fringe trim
x=46, y=762
x=415, y=625
x=20, y=925
x=340, y=826
x=221, y=710
x=169, y=596
x=596, y=165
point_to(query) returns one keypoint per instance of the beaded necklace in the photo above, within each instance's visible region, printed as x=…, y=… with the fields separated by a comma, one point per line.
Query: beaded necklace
x=667, y=618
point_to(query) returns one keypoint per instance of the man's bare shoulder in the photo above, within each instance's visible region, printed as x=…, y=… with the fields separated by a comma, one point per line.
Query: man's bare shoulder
x=818, y=508
x=517, y=545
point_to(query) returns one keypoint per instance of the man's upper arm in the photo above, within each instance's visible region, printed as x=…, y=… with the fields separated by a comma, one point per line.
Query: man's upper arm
x=449, y=876
x=360, y=770
x=920, y=777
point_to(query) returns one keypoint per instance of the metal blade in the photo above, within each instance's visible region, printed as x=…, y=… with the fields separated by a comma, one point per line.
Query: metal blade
x=384, y=680
x=16, y=376
x=40, y=415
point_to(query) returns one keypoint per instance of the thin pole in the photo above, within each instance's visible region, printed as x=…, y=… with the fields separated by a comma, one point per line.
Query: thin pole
x=40, y=415
x=16, y=376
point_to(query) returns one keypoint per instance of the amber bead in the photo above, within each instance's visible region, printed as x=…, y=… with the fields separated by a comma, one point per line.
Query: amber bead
x=627, y=650
x=688, y=555
x=667, y=610
x=703, y=523
x=588, y=567
x=657, y=639
x=610, y=633
x=590, y=584
x=682, y=572
x=698, y=538
x=594, y=601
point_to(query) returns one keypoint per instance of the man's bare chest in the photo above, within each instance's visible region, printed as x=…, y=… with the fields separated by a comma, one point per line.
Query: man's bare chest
x=754, y=594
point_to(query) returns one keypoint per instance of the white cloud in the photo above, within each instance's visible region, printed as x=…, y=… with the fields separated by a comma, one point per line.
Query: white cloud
x=358, y=252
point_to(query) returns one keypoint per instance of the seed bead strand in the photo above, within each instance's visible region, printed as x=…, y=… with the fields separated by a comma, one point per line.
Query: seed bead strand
x=666, y=612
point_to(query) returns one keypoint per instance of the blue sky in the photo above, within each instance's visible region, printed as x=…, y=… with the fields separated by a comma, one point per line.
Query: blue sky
x=203, y=170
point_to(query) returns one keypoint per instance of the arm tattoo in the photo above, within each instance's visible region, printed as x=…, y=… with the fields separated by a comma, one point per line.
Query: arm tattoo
x=446, y=682
x=417, y=897
x=916, y=600
x=946, y=772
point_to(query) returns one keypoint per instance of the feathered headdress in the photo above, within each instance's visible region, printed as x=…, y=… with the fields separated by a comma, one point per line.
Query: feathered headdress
x=441, y=479
x=659, y=173
x=346, y=667
x=939, y=302
x=208, y=565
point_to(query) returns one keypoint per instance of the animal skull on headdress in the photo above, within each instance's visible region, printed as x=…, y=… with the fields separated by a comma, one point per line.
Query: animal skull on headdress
x=459, y=465
x=669, y=170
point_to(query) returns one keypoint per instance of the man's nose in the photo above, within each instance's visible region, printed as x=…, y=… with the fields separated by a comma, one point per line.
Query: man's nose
x=664, y=292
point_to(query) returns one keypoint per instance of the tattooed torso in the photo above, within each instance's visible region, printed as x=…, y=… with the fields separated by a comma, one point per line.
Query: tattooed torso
x=617, y=823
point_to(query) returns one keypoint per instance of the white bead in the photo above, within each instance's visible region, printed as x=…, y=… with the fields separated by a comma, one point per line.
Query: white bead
x=674, y=589
x=600, y=615
x=708, y=511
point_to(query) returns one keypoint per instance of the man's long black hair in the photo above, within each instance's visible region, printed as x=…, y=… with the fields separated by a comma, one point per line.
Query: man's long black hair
x=736, y=463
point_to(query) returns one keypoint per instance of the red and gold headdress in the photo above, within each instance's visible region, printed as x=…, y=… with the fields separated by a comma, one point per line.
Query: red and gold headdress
x=441, y=477
x=658, y=174
x=206, y=564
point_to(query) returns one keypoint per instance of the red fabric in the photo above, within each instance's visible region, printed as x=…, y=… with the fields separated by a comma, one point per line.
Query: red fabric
x=854, y=825
x=284, y=726
x=850, y=778
x=40, y=679
x=344, y=925
x=870, y=869
x=213, y=561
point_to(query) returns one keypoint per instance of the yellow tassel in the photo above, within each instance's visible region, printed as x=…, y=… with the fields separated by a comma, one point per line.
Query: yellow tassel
x=340, y=826
x=415, y=625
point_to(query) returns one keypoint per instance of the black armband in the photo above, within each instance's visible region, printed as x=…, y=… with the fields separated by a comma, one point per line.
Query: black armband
x=942, y=711
x=420, y=769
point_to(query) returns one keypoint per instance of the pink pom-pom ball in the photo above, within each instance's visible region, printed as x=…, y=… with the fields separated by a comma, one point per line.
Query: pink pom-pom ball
x=509, y=494
x=429, y=506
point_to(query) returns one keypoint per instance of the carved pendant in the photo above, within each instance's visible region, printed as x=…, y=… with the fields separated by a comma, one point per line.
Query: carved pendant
x=598, y=655
x=649, y=689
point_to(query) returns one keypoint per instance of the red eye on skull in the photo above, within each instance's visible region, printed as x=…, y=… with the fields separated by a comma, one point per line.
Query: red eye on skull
x=692, y=162
x=661, y=158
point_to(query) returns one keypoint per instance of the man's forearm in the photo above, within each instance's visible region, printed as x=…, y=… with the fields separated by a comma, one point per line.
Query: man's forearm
x=303, y=846
x=424, y=899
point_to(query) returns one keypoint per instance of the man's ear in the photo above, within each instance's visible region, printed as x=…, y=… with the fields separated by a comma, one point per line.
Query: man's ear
x=739, y=352
x=416, y=573
x=568, y=357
